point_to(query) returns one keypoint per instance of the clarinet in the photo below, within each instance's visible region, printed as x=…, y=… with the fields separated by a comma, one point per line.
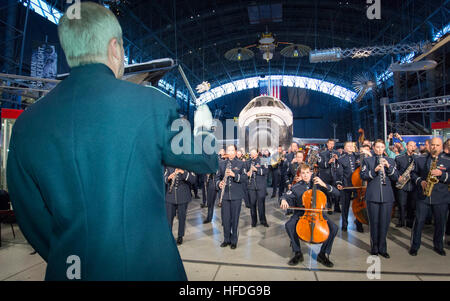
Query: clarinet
x=250, y=178
x=225, y=179
x=173, y=183
x=382, y=172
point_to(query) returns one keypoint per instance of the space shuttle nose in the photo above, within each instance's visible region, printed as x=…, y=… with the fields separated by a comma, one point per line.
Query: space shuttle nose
x=265, y=122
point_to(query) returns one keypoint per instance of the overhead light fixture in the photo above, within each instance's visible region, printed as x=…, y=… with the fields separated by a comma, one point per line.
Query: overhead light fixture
x=239, y=55
x=295, y=54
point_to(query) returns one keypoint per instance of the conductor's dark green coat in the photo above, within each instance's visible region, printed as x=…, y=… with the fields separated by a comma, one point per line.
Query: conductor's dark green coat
x=85, y=175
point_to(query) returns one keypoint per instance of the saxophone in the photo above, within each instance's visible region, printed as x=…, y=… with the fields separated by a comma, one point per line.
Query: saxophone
x=431, y=180
x=405, y=176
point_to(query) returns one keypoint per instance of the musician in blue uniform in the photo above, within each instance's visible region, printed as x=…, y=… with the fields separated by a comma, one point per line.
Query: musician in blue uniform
x=293, y=198
x=380, y=173
x=241, y=157
x=178, y=196
x=210, y=195
x=257, y=181
x=278, y=172
x=439, y=198
x=292, y=168
x=234, y=171
x=328, y=165
x=406, y=194
x=347, y=164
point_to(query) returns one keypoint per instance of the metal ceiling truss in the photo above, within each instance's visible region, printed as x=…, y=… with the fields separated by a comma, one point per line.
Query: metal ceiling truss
x=425, y=105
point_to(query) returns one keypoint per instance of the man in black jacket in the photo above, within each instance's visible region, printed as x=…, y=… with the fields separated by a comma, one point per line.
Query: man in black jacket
x=439, y=199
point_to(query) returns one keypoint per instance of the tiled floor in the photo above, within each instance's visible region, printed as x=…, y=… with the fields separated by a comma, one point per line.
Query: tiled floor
x=263, y=253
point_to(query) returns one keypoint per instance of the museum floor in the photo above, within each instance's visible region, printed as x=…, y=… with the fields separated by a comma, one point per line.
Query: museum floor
x=262, y=253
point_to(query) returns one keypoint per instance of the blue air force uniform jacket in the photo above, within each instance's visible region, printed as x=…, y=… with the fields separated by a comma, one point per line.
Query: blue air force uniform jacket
x=294, y=196
x=181, y=191
x=440, y=193
x=85, y=175
x=327, y=172
x=376, y=192
x=258, y=181
x=234, y=189
x=347, y=165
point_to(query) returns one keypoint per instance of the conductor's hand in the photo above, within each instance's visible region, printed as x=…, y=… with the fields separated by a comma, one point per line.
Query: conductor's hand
x=284, y=205
x=203, y=120
x=178, y=170
x=172, y=175
x=319, y=181
x=339, y=187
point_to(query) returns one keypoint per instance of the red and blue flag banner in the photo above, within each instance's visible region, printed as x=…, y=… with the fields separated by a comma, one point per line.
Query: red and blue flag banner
x=270, y=87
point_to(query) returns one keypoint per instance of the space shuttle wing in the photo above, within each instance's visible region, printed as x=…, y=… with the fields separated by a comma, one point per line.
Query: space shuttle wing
x=151, y=71
x=148, y=72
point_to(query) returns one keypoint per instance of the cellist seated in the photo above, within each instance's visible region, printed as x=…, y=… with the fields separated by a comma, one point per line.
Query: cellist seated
x=293, y=198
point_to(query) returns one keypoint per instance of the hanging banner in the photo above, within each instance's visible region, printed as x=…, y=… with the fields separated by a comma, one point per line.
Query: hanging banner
x=43, y=61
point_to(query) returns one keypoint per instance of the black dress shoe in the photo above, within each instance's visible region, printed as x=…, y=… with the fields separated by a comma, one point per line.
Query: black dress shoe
x=179, y=240
x=206, y=221
x=196, y=197
x=440, y=252
x=412, y=252
x=233, y=246
x=298, y=257
x=344, y=229
x=359, y=227
x=373, y=253
x=322, y=258
x=265, y=224
x=330, y=212
x=224, y=244
x=400, y=225
x=202, y=205
x=337, y=210
x=272, y=196
x=253, y=225
x=385, y=255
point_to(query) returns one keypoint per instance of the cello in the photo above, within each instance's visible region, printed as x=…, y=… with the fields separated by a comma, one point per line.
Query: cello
x=359, y=206
x=312, y=227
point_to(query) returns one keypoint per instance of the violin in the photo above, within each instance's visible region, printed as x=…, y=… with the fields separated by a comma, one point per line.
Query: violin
x=312, y=227
x=359, y=206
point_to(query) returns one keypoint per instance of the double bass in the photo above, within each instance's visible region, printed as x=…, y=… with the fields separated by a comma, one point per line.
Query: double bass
x=312, y=227
x=359, y=205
